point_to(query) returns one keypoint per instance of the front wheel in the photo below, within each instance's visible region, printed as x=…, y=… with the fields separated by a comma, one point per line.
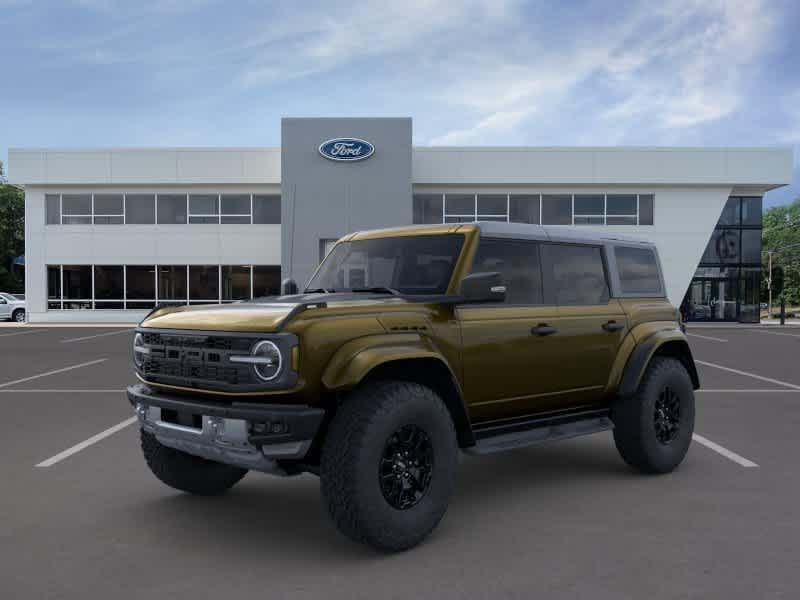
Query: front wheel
x=388, y=464
x=653, y=427
x=19, y=315
x=186, y=472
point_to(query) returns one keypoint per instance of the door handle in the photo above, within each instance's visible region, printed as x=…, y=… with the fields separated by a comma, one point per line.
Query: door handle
x=613, y=326
x=543, y=329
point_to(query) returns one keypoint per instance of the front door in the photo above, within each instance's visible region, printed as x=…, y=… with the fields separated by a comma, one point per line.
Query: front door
x=508, y=356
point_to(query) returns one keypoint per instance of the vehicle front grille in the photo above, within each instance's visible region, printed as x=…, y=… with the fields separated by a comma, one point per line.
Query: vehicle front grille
x=197, y=360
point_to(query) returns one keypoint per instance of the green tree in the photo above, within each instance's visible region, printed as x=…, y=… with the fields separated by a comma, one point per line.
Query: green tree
x=782, y=235
x=12, y=235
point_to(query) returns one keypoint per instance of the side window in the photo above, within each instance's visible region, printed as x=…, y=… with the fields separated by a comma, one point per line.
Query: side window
x=638, y=270
x=575, y=274
x=518, y=263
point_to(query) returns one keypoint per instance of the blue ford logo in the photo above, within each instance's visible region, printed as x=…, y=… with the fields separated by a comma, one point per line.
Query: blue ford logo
x=346, y=149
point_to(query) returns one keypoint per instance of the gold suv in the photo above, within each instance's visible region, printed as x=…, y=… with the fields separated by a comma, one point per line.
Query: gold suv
x=408, y=346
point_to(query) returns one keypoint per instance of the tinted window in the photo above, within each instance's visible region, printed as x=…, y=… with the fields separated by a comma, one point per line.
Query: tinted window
x=751, y=246
x=459, y=204
x=493, y=204
x=723, y=247
x=53, y=282
x=575, y=274
x=235, y=209
x=140, y=209
x=203, y=282
x=235, y=282
x=638, y=270
x=266, y=280
x=751, y=211
x=108, y=282
x=524, y=209
x=53, y=209
x=108, y=209
x=646, y=209
x=427, y=208
x=77, y=282
x=171, y=209
x=266, y=209
x=730, y=214
x=557, y=209
x=172, y=283
x=413, y=265
x=79, y=205
x=621, y=204
x=589, y=204
x=141, y=282
x=203, y=208
x=518, y=263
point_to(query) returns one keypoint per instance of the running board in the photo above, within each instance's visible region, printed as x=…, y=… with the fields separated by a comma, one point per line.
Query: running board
x=519, y=434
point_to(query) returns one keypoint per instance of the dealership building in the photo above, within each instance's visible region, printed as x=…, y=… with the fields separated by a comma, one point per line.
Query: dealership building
x=111, y=232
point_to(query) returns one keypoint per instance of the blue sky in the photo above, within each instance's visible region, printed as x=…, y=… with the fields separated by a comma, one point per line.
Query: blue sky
x=482, y=72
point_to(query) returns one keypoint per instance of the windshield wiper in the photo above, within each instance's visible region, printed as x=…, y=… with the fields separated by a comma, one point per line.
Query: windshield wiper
x=378, y=290
x=319, y=291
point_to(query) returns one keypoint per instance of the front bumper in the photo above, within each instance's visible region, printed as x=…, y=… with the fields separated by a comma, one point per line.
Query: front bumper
x=249, y=435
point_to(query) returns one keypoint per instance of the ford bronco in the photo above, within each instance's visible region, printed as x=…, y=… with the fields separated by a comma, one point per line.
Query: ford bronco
x=407, y=347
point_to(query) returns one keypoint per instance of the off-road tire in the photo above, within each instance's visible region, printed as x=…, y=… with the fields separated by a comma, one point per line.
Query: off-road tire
x=188, y=473
x=634, y=429
x=18, y=315
x=351, y=457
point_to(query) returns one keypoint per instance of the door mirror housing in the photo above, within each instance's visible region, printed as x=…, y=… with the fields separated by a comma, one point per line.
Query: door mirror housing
x=483, y=287
x=288, y=287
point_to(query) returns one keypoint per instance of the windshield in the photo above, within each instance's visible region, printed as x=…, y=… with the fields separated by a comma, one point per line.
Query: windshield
x=420, y=264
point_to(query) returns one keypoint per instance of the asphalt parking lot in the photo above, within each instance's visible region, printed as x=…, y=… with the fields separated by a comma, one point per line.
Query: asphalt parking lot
x=82, y=517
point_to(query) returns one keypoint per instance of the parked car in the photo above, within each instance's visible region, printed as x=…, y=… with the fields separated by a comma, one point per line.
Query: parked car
x=12, y=308
x=764, y=306
x=407, y=346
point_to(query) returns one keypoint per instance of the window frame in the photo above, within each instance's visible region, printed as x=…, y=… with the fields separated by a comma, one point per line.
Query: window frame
x=549, y=283
x=474, y=215
x=156, y=301
x=537, y=246
x=615, y=280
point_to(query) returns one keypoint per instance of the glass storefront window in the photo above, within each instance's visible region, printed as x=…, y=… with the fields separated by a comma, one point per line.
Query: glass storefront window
x=749, y=295
x=730, y=213
x=751, y=211
x=723, y=247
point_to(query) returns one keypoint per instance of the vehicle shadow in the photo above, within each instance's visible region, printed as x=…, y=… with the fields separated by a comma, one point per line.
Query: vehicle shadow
x=265, y=516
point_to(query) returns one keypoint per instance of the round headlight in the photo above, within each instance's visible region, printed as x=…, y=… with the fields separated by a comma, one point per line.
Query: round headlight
x=138, y=350
x=269, y=360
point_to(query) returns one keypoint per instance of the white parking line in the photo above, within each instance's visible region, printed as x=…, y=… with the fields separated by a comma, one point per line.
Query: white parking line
x=91, y=337
x=24, y=379
x=28, y=332
x=738, y=459
x=86, y=443
x=706, y=337
x=70, y=391
x=753, y=375
x=777, y=333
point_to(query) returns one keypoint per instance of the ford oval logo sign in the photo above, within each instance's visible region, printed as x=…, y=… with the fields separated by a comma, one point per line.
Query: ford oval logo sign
x=346, y=149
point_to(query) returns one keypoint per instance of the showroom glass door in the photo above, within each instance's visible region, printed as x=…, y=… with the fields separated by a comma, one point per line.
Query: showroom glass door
x=713, y=300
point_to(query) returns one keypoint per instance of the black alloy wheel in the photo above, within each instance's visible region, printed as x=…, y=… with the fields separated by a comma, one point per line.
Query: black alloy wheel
x=406, y=467
x=667, y=415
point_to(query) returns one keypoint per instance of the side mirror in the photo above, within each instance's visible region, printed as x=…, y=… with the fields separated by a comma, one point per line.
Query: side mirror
x=483, y=287
x=288, y=287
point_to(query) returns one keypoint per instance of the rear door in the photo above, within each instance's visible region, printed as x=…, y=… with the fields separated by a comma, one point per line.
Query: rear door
x=591, y=324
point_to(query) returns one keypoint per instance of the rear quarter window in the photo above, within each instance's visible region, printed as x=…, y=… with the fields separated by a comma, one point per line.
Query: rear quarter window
x=638, y=271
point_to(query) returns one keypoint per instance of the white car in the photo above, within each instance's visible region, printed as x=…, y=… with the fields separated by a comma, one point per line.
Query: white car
x=12, y=308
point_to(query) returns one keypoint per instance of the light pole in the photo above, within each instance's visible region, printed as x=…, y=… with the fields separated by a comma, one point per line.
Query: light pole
x=769, y=277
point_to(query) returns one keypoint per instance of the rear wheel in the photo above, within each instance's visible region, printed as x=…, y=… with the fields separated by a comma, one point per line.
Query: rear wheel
x=653, y=427
x=186, y=472
x=388, y=464
x=19, y=315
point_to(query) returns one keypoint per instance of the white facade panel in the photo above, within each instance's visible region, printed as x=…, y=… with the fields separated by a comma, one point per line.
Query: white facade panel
x=144, y=166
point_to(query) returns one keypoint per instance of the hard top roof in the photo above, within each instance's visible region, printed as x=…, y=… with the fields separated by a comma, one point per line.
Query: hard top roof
x=523, y=231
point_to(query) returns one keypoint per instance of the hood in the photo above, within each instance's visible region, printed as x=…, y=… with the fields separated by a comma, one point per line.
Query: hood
x=262, y=314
